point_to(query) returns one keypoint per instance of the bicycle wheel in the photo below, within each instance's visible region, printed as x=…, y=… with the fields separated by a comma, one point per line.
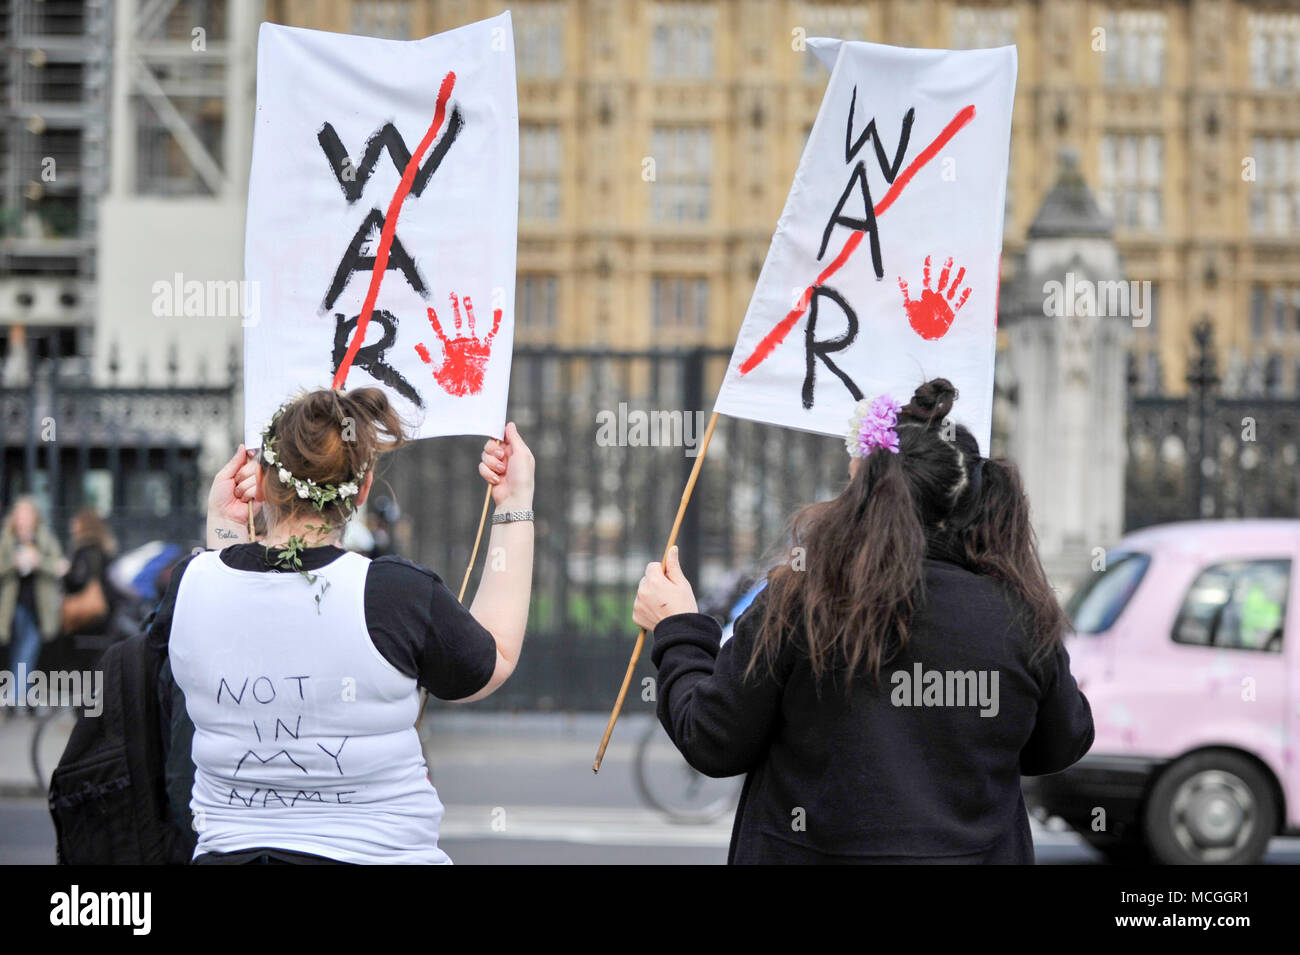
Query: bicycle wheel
x=670, y=786
x=46, y=746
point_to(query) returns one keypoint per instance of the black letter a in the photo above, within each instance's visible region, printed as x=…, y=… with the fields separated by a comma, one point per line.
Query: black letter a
x=354, y=261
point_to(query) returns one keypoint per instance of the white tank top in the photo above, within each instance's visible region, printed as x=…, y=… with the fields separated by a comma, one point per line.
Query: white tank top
x=303, y=732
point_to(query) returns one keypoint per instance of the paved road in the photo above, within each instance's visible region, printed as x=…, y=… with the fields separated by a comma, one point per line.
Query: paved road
x=522, y=791
x=553, y=834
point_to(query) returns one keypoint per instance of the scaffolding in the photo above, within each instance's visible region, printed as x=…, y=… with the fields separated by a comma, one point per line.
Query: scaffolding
x=54, y=86
x=182, y=104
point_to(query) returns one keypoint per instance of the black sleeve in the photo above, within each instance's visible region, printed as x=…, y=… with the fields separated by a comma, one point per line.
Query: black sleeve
x=158, y=625
x=419, y=626
x=720, y=720
x=1063, y=731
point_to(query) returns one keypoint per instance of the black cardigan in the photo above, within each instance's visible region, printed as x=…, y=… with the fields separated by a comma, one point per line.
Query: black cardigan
x=837, y=777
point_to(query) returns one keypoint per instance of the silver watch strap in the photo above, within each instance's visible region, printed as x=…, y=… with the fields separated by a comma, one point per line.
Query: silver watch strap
x=509, y=517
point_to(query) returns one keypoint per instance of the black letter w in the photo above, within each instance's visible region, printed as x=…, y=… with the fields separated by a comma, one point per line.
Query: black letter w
x=353, y=180
x=858, y=179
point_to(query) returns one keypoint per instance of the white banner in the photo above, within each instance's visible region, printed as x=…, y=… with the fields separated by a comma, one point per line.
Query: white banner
x=384, y=197
x=883, y=272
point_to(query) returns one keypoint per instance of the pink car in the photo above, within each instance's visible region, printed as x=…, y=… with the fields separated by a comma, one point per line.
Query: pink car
x=1185, y=652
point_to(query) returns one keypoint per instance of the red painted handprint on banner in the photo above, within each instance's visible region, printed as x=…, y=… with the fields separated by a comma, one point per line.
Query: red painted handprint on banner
x=931, y=315
x=465, y=357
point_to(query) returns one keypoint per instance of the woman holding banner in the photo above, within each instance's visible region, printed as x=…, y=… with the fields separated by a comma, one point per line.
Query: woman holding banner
x=884, y=700
x=297, y=665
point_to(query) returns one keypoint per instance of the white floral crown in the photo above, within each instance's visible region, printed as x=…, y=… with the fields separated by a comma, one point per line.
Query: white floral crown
x=320, y=495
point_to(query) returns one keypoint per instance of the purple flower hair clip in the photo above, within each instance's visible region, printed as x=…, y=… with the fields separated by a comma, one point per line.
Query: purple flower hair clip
x=873, y=425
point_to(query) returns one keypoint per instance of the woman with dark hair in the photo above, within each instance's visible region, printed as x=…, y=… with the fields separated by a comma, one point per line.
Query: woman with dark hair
x=885, y=697
x=88, y=595
x=291, y=687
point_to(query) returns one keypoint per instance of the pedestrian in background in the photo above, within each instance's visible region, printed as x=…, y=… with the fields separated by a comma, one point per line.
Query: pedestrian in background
x=31, y=563
x=88, y=597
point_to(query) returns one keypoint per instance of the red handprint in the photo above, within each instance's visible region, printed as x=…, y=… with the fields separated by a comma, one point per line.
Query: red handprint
x=931, y=315
x=464, y=357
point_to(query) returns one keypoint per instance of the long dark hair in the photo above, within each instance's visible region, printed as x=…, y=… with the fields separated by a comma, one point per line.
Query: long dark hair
x=999, y=541
x=862, y=576
x=89, y=529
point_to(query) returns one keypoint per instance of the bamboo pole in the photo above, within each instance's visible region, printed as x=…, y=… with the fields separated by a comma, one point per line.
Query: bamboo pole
x=640, y=637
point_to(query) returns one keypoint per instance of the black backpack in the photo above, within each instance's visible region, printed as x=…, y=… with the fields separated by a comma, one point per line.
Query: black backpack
x=108, y=795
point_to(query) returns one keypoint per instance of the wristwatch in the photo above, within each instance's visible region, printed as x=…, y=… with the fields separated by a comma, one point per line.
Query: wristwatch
x=509, y=517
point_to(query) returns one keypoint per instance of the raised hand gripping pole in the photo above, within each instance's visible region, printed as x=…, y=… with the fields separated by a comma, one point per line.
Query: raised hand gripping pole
x=640, y=637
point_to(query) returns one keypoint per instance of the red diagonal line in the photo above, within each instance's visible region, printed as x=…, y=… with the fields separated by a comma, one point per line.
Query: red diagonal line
x=390, y=228
x=777, y=334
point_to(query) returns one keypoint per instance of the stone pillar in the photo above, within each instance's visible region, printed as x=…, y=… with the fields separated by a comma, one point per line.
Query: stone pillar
x=1067, y=316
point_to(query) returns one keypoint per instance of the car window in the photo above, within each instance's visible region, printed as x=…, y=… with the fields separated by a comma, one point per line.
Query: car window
x=1097, y=604
x=1240, y=605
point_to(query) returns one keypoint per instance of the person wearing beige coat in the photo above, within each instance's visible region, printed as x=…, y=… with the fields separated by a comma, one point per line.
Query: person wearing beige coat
x=31, y=564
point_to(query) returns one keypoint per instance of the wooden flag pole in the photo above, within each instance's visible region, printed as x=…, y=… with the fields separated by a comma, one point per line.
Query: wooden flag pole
x=464, y=585
x=640, y=637
x=473, y=556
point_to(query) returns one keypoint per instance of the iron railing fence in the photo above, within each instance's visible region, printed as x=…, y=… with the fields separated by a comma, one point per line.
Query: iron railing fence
x=614, y=435
x=1210, y=455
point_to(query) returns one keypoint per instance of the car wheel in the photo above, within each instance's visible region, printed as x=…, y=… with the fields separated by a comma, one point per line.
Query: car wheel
x=1211, y=808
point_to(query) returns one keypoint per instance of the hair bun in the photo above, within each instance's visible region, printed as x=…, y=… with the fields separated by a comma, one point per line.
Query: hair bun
x=330, y=438
x=932, y=401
